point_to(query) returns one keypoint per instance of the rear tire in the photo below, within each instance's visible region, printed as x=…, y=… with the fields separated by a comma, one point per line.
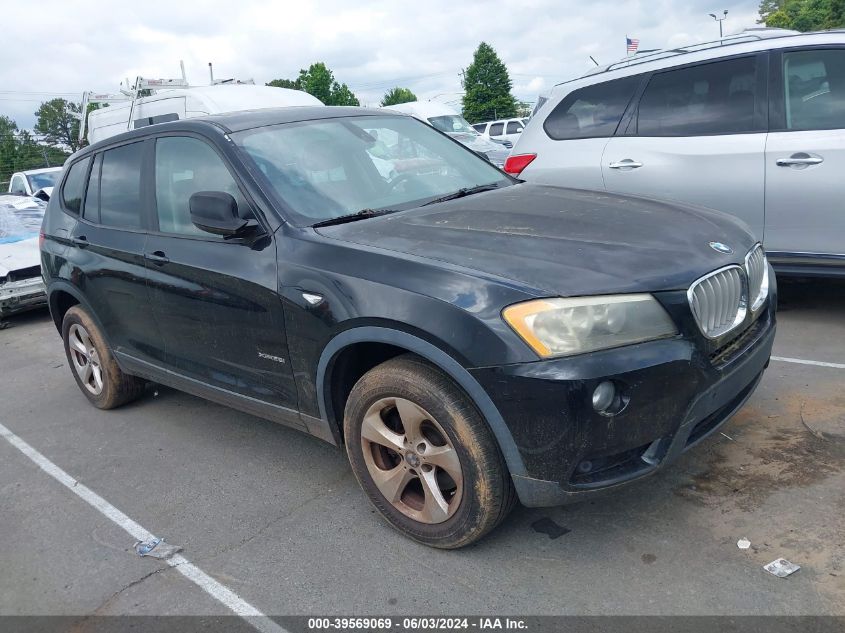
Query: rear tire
x=93, y=365
x=424, y=455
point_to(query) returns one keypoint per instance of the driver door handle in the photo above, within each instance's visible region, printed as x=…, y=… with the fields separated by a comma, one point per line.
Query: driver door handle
x=801, y=158
x=157, y=257
x=627, y=163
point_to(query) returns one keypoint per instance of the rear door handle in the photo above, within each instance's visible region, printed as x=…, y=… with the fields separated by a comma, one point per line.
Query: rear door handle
x=801, y=159
x=80, y=240
x=627, y=163
x=157, y=257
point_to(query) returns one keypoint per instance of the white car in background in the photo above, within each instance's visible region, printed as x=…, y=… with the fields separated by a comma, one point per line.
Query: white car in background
x=33, y=181
x=21, y=286
x=507, y=130
x=448, y=121
x=752, y=125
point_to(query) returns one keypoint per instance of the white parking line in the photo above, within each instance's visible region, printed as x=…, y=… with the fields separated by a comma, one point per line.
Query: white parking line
x=219, y=592
x=801, y=361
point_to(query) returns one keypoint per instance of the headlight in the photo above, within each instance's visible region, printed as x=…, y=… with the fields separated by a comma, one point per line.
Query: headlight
x=564, y=327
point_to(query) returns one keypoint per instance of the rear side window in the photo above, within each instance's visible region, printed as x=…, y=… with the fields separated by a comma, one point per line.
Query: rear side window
x=480, y=127
x=75, y=185
x=120, y=187
x=496, y=129
x=701, y=100
x=814, y=89
x=514, y=127
x=594, y=111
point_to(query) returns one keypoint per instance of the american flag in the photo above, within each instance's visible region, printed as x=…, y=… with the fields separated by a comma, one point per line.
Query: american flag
x=633, y=45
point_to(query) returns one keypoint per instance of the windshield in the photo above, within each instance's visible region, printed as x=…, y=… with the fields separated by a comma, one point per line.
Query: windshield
x=451, y=124
x=329, y=168
x=39, y=181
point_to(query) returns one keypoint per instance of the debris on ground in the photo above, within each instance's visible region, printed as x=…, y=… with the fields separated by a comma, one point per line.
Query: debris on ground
x=545, y=525
x=156, y=548
x=743, y=543
x=781, y=568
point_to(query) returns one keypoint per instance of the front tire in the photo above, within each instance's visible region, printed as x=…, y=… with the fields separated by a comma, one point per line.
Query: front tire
x=424, y=455
x=93, y=365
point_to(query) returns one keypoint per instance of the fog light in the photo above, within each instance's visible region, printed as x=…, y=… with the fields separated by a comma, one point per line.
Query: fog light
x=603, y=396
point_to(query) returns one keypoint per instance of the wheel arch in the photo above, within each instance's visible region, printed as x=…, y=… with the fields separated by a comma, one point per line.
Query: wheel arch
x=403, y=342
x=62, y=296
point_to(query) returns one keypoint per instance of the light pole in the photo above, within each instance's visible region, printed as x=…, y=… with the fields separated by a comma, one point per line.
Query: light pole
x=720, y=20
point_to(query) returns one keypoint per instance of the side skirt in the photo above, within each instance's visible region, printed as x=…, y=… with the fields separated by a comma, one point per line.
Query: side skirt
x=281, y=415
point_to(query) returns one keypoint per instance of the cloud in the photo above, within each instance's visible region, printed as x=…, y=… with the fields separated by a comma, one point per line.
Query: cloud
x=370, y=45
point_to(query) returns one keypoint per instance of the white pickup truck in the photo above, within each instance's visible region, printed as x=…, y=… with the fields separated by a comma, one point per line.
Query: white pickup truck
x=32, y=181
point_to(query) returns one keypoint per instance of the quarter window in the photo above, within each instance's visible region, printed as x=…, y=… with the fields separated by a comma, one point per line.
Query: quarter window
x=120, y=186
x=183, y=167
x=91, y=208
x=814, y=89
x=514, y=127
x=74, y=185
x=594, y=111
x=701, y=100
x=496, y=129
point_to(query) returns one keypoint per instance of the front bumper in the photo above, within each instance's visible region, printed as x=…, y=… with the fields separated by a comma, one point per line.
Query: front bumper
x=677, y=393
x=21, y=295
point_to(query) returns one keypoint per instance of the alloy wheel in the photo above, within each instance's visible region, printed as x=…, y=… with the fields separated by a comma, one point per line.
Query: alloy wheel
x=86, y=360
x=411, y=460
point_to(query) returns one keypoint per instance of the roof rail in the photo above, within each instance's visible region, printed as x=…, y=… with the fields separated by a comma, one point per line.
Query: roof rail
x=748, y=35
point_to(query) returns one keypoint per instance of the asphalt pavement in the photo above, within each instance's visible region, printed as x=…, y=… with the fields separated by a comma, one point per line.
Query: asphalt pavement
x=276, y=517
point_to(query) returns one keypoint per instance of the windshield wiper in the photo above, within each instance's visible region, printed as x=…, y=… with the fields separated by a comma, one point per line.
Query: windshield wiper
x=465, y=191
x=352, y=217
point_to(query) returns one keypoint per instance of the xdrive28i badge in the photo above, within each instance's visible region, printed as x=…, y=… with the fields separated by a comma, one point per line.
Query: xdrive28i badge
x=721, y=248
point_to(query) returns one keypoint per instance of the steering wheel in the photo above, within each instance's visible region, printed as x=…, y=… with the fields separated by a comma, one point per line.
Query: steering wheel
x=400, y=179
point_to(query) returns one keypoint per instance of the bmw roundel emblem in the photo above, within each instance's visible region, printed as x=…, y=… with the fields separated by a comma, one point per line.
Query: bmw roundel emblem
x=721, y=248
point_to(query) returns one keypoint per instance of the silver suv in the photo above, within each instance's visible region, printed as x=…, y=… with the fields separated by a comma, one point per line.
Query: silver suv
x=753, y=125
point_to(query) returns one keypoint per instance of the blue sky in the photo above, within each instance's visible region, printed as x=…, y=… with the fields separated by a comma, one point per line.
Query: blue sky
x=370, y=45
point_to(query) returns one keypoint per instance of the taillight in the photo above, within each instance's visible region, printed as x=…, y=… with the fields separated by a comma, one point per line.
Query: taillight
x=515, y=164
x=41, y=239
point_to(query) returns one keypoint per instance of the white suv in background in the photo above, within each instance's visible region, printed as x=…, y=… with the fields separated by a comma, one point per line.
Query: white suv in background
x=503, y=130
x=753, y=125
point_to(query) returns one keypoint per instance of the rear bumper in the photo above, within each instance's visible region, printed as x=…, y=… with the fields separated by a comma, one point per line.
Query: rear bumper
x=676, y=396
x=25, y=294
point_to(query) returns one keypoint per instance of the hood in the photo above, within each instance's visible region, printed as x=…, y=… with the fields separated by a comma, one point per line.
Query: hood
x=19, y=255
x=563, y=242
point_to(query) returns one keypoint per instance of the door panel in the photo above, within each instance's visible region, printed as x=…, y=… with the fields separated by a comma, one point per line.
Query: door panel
x=108, y=260
x=805, y=153
x=721, y=172
x=215, y=299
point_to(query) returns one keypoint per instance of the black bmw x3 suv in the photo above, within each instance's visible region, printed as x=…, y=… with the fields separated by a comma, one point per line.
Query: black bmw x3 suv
x=469, y=339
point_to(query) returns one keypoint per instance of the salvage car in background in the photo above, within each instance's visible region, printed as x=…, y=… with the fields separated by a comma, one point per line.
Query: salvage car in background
x=21, y=287
x=469, y=338
x=34, y=181
x=752, y=125
x=503, y=130
x=448, y=121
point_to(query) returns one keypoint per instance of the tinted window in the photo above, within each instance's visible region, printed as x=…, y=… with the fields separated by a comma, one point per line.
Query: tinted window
x=74, y=185
x=161, y=118
x=120, y=186
x=709, y=99
x=496, y=129
x=91, y=209
x=814, y=89
x=514, y=127
x=480, y=127
x=593, y=111
x=184, y=166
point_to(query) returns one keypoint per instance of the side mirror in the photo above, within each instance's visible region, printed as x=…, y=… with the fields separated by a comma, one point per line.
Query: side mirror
x=216, y=212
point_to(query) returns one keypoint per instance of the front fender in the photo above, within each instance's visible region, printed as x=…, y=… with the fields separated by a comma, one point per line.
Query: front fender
x=436, y=356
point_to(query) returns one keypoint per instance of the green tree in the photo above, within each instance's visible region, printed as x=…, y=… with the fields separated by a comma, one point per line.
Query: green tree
x=293, y=84
x=319, y=81
x=398, y=95
x=58, y=122
x=20, y=151
x=803, y=15
x=487, y=87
